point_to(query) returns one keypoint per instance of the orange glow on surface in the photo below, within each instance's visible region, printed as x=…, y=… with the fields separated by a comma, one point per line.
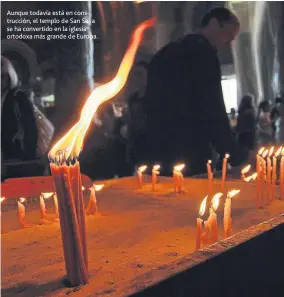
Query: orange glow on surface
x=142, y=168
x=261, y=151
x=277, y=153
x=246, y=169
x=2, y=199
x=233, y=193
x=251, y=177
x=203, y=207
x=265, y=154
x=215, y=201
x=22, y=199
x=179, y=167
x=271, y=152
x=70, y=145
x=47, y=195
x=98, y=187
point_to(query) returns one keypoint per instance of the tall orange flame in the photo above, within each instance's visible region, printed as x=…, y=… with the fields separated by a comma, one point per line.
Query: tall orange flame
x=271, y=152
x=261, y=151
x=277, y=153
x=70, y=145
x=98, y=187
x=215, y=201
x=232, y=193
x=142, y=168
x=2, y=199
x=246, y=169
x=203, y=207
x=179, y=167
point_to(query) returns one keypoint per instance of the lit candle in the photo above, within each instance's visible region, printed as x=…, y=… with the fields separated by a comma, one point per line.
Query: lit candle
x=199, y=223
x=263, y=191
x=269, y=171
x=22, y=213
x=245, y=170
x=140, y=171
x=274, y=172
x=211, y=223
x=228, y=213
x=92, y=208
x=224, y=171
x=258, y=170
x=43, y=210
x=178, y=177
x=210, y=177
x=155, y=173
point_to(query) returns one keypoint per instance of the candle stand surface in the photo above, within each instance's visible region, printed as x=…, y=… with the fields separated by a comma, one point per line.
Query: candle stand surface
x=143, y=238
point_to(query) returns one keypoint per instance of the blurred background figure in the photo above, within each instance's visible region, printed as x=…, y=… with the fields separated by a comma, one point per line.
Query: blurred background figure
x=233, y=117
x=246, y=123
x=276, y=118
x=264, y=127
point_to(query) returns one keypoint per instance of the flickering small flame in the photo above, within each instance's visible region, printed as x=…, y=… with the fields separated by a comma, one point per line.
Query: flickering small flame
x=215, y=201
x=261, y=150
x=271, y=152
x=70, y=145
x=203, y=207
x=83, y=188
x=233, y=193
x=282, y=151
x=156, y=167
x=47, y=195
x=265, y=154
x=2, y=199
x=142, y=168
x=251, y=177
x=278, y=152
x=179, y=167
x=22, y=200
x=227, y=156
x=209, y=162
x=246, y=169
x=98, y=187
x=139, y=1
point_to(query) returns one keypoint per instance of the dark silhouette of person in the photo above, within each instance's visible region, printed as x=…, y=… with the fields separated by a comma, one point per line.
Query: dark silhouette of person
x=246, y=123
x=184, y=103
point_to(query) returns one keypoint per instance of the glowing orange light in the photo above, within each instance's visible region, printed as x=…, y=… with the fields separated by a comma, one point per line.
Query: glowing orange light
x=142, y=168
x=232, y=193
x=47, y=195
x=2, y=199
x=246, y=169
x=70, y=145
x=265, y=154
x=215, y=201
x=83, y=188
x=203, y=207
x=98, y=187
x=156, y=167
x=277, y=153
x=179, y=167
x=22, y=199
x=261, y=151
x=251, y=177
x=271, y=152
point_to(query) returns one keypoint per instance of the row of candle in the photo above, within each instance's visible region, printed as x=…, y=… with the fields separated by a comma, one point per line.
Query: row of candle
x=209, y=234
x=91, y=208
x=266, y=166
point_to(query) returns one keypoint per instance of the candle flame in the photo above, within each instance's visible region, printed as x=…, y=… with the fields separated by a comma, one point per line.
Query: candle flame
x=277, y=153
x=215, y=201
x=227, y=156
x=246, y=169
x=142, y=168
x=139, y=1
x=271, y=152
x=203, y=207
x=47, y=195
x=98, y=187
x=83, y=188
x=179, y=167
x=233, y=193
x=22, y=200
x=282, y=151
x=251, y=177
x=70, y=145
x=209, y=162
x=2, y=199
x=156, y=167
x=265, y=154
x=261, y=151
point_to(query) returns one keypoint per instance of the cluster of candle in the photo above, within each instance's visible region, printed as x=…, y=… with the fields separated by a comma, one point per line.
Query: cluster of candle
x=177, y=176
x=209, y=234
x=267, y=169
x=91, y=208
